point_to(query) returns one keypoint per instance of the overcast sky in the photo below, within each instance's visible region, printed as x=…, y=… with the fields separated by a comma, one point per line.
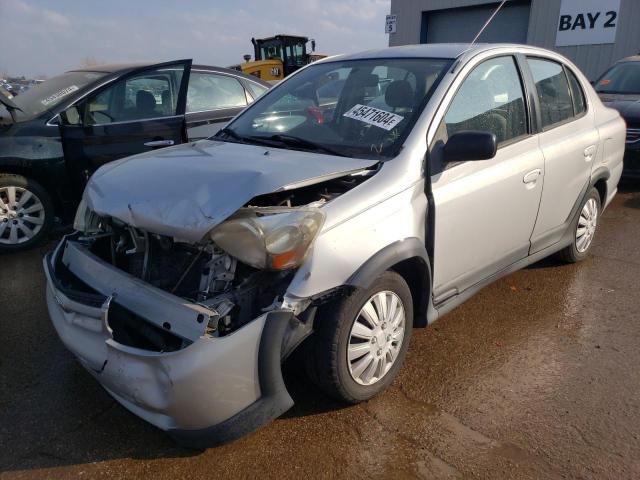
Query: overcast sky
x=48, y=37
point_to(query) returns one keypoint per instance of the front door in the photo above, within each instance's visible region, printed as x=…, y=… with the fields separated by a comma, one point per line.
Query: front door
x=485, y=210
x=141, y=111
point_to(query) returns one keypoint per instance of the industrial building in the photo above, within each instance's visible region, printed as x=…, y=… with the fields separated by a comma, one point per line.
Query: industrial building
x=592, y=33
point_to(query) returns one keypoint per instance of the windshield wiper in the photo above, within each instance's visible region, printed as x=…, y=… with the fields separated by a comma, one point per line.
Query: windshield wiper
x=616, y=92
x=242, y=139
x=279, y=138
x=230, y=133
x=301, y=142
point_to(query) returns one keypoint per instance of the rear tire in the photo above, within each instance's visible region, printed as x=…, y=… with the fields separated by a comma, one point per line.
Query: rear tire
x=339, y=349
x=26, y=213
x=584, y=229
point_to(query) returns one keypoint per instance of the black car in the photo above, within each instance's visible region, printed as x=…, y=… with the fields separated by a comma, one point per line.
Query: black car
x=55, y=135
x=619, y=88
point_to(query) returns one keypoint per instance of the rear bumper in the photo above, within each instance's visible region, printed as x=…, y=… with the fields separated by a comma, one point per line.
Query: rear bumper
x=213, y=390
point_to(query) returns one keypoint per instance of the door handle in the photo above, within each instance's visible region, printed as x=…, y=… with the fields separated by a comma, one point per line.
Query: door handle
x=589, y=152
x=159, y=143
x=532, y=176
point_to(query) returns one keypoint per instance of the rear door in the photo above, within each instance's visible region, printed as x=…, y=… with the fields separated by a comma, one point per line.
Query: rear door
x=213, y=99
x=569, y=142
x=140, y=111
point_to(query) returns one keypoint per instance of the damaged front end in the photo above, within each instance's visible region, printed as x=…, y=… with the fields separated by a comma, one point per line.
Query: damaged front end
x=190, y=336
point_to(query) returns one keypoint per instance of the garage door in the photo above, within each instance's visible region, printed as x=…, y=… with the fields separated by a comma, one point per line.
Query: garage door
x=462, y=24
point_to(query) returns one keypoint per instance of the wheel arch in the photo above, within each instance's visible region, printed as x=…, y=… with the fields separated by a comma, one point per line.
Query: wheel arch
x=42, y=178
x=599, y=179
x=410, y=260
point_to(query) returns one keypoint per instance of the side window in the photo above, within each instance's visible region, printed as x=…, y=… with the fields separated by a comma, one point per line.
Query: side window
x=150, y=94
x=256, y=89
x=579, y=103
x=553, y=91
x=212, y=91
x=489, y=100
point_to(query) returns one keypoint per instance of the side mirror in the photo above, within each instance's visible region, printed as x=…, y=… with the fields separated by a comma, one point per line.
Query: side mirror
x=466, y=146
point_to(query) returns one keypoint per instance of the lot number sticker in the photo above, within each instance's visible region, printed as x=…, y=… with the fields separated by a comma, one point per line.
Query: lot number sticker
x=62, y=93
x=374, y=116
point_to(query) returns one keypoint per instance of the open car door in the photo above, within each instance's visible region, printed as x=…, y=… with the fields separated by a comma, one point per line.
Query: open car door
x=141, y=110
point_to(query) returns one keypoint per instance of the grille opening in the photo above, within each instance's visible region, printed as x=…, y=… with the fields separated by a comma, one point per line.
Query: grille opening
x=74, y=288
x=134, y=331
x=633, y=135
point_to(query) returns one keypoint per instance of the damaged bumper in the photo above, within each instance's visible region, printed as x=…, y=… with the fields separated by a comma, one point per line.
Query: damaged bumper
x=208, y=391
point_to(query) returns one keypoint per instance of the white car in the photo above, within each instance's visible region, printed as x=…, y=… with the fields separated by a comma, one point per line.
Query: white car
x=339, y=215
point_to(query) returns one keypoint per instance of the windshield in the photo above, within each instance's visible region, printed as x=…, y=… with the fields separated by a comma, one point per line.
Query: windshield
x=50, y=93
x=357, y=108
x=621, y=78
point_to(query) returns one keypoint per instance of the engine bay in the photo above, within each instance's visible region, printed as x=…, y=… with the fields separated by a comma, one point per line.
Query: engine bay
x=202, y=273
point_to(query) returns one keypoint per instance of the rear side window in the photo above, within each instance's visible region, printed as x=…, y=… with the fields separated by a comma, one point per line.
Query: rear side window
x=212, y=91
x=553, y=91
x=490, y=100
x=256, y=89
x=579, y=104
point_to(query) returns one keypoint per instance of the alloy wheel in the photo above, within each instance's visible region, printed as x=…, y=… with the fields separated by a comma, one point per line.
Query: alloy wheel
x=586, y=225
x=22, y=215
x=376, y=337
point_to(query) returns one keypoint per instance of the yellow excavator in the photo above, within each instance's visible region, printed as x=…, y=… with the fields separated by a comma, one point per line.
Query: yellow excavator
x=278, y=56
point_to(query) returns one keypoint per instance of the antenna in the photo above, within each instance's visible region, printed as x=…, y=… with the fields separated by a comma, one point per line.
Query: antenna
x=488, y=22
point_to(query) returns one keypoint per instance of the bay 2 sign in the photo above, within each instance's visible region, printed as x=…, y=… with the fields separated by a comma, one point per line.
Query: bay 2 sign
x=587, y=22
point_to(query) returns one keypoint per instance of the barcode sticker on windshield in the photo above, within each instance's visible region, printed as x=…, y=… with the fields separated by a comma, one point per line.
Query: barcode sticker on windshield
x=374, y=116
x=62, y=93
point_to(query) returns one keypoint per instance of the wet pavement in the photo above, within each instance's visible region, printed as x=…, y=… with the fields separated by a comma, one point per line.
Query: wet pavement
x=535, y=377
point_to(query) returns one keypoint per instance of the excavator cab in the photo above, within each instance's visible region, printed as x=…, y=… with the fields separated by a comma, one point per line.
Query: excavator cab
x=289, y=49
x=278, y=56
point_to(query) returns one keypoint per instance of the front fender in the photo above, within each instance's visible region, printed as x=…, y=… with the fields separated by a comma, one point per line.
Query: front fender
x=339, y=253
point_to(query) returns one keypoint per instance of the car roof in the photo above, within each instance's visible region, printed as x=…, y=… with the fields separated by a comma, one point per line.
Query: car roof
x=118, y=67
x=429, y=50
x=113, y=67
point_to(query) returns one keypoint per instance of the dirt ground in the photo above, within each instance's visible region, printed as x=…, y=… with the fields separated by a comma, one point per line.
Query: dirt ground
x=535, y=377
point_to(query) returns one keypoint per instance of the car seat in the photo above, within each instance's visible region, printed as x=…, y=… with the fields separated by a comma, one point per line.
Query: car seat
x=145, y=104
x=399, y=95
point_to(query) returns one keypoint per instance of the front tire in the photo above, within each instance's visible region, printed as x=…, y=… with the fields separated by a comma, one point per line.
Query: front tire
x=26, y=213
x=361, y=340
x=584, y=229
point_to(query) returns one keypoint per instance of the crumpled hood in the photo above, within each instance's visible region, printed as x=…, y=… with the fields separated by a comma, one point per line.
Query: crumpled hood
x=185, y=191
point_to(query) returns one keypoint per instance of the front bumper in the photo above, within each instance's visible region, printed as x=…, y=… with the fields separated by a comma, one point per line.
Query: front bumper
x=212, y=391
x=631, y=169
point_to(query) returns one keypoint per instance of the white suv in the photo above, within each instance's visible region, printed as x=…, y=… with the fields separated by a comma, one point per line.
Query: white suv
x=363, y=196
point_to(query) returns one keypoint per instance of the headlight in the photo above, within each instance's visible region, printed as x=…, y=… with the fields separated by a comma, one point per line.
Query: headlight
x=85, y=220
x=269, y=238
